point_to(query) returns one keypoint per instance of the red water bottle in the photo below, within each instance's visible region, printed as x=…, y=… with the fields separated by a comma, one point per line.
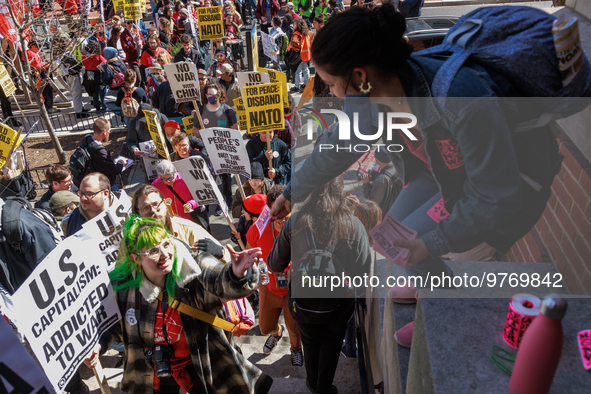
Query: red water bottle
x=540, y=350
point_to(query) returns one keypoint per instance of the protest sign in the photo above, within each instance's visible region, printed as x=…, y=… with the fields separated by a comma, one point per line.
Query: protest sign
x=6, y=82
x=278, y=76
x=69, y=304
x=269, y=47
x=200, y=182
x=251, y=78
x=156, y=133
x=184, y=81
x=188, y=123
x=7, y=139
x=149, y=161
x=143, y=6
x=132, y=10
x=119, y=5
x=263, y=220
x=264, y=107
x=17, y=367
x=226, y=151
x=106, y=230
x=211, y=24
x=241, y=114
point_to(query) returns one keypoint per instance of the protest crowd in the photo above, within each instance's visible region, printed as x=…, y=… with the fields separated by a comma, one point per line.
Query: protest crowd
x=211, y=135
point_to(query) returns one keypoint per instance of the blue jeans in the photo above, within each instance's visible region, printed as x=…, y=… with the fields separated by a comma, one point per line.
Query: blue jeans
x=411, y=208
x=302, y=72
x=98, y=100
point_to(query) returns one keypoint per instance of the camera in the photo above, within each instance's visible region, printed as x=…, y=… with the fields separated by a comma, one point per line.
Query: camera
x=160, y=359
x=372, y=174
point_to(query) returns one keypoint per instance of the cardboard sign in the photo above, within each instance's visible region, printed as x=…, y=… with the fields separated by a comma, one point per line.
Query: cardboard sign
x=188, y=123
x=211, y=23
x=241, y=114
x=200, y=182
x=156, y=133
x=226, y=151
x=17, y=367
x=269, y=47
x=6, y=82
x=184, y=81
x=264, y=107
x=132, y=10
x=385, y=232
x=7, y=140
x=69, y=304
x=278, y=76
x=106, y=230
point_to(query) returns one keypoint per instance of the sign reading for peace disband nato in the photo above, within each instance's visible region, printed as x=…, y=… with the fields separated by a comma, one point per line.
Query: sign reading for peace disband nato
x=264, y=107
x=211, y=24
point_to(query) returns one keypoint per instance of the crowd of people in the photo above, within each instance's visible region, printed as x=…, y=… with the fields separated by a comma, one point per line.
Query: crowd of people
x=168, y=251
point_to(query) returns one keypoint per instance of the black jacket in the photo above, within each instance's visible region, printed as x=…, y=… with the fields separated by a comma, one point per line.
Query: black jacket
x=194, y=55
x=138, y=131
x=282, y=164
x=101, y=159
x=163, y=99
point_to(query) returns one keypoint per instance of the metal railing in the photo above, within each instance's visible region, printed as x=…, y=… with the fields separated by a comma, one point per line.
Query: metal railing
x=67, y=123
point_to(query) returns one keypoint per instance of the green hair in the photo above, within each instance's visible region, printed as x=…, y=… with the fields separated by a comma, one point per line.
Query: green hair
x=140, y=233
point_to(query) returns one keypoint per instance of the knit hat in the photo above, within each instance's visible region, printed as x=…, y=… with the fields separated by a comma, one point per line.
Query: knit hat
x=184, y=11
x=220, y=50
x=172, y=123
x=256, y=170
x=382, y=154
x=254, y=204
x=61, y=199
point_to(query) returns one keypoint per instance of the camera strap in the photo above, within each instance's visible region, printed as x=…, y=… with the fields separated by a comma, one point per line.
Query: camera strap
x=200, y=315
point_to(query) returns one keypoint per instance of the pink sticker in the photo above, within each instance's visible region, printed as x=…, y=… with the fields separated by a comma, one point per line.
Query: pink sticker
x=437, y=212
x=584, y=338
x=450, y=152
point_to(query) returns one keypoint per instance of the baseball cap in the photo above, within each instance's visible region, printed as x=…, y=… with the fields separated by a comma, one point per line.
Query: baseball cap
x=290, y=5
x=61, y=199
x=201, y=71
x=226, y=68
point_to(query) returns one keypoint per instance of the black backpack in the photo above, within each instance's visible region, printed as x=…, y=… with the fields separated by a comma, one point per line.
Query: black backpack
x=80, y=164
x=307, y=301
x=25, y=240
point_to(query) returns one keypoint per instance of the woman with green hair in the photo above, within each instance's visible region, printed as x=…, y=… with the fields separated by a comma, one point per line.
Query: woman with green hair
x=166, y=348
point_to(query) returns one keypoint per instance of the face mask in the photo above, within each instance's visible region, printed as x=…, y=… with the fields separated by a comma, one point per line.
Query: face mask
x=169, y=139
x=212, y=100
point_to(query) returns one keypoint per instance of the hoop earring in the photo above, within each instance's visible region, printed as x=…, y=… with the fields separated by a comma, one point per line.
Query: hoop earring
x=365, y=91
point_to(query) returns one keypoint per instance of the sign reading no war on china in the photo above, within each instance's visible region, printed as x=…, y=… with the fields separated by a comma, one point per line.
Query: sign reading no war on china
x=68, y=304
x=200, y=182
x=184, y=81
x=211, y=24
x=264, y=107
x=226, y=151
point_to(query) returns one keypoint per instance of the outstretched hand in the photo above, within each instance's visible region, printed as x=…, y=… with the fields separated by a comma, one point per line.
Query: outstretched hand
x=242, y=261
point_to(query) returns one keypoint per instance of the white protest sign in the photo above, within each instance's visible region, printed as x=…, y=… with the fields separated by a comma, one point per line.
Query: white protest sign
x=226, y=151
x=184, y=81
x=69, y=304
x=17, y=367
x=263, y=220
x=269, y=47
x=106, y=230
x=251, y=78
x=149, y=162
x=200, y=182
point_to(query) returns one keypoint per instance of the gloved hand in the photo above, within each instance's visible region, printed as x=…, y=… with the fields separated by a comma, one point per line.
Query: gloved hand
x=209, y=246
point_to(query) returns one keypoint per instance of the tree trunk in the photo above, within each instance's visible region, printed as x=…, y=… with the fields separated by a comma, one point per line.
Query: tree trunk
x=61, y=155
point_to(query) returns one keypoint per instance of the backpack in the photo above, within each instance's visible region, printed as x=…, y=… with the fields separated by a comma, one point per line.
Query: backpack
x=73, y=65
x=129, y=105
x=309, y=302
x=42, y=213
x=25, y=240
x=517, y=43
x=118, y=79
x=80, y=164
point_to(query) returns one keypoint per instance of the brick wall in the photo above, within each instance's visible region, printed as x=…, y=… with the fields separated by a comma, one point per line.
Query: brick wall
x=563, y=234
